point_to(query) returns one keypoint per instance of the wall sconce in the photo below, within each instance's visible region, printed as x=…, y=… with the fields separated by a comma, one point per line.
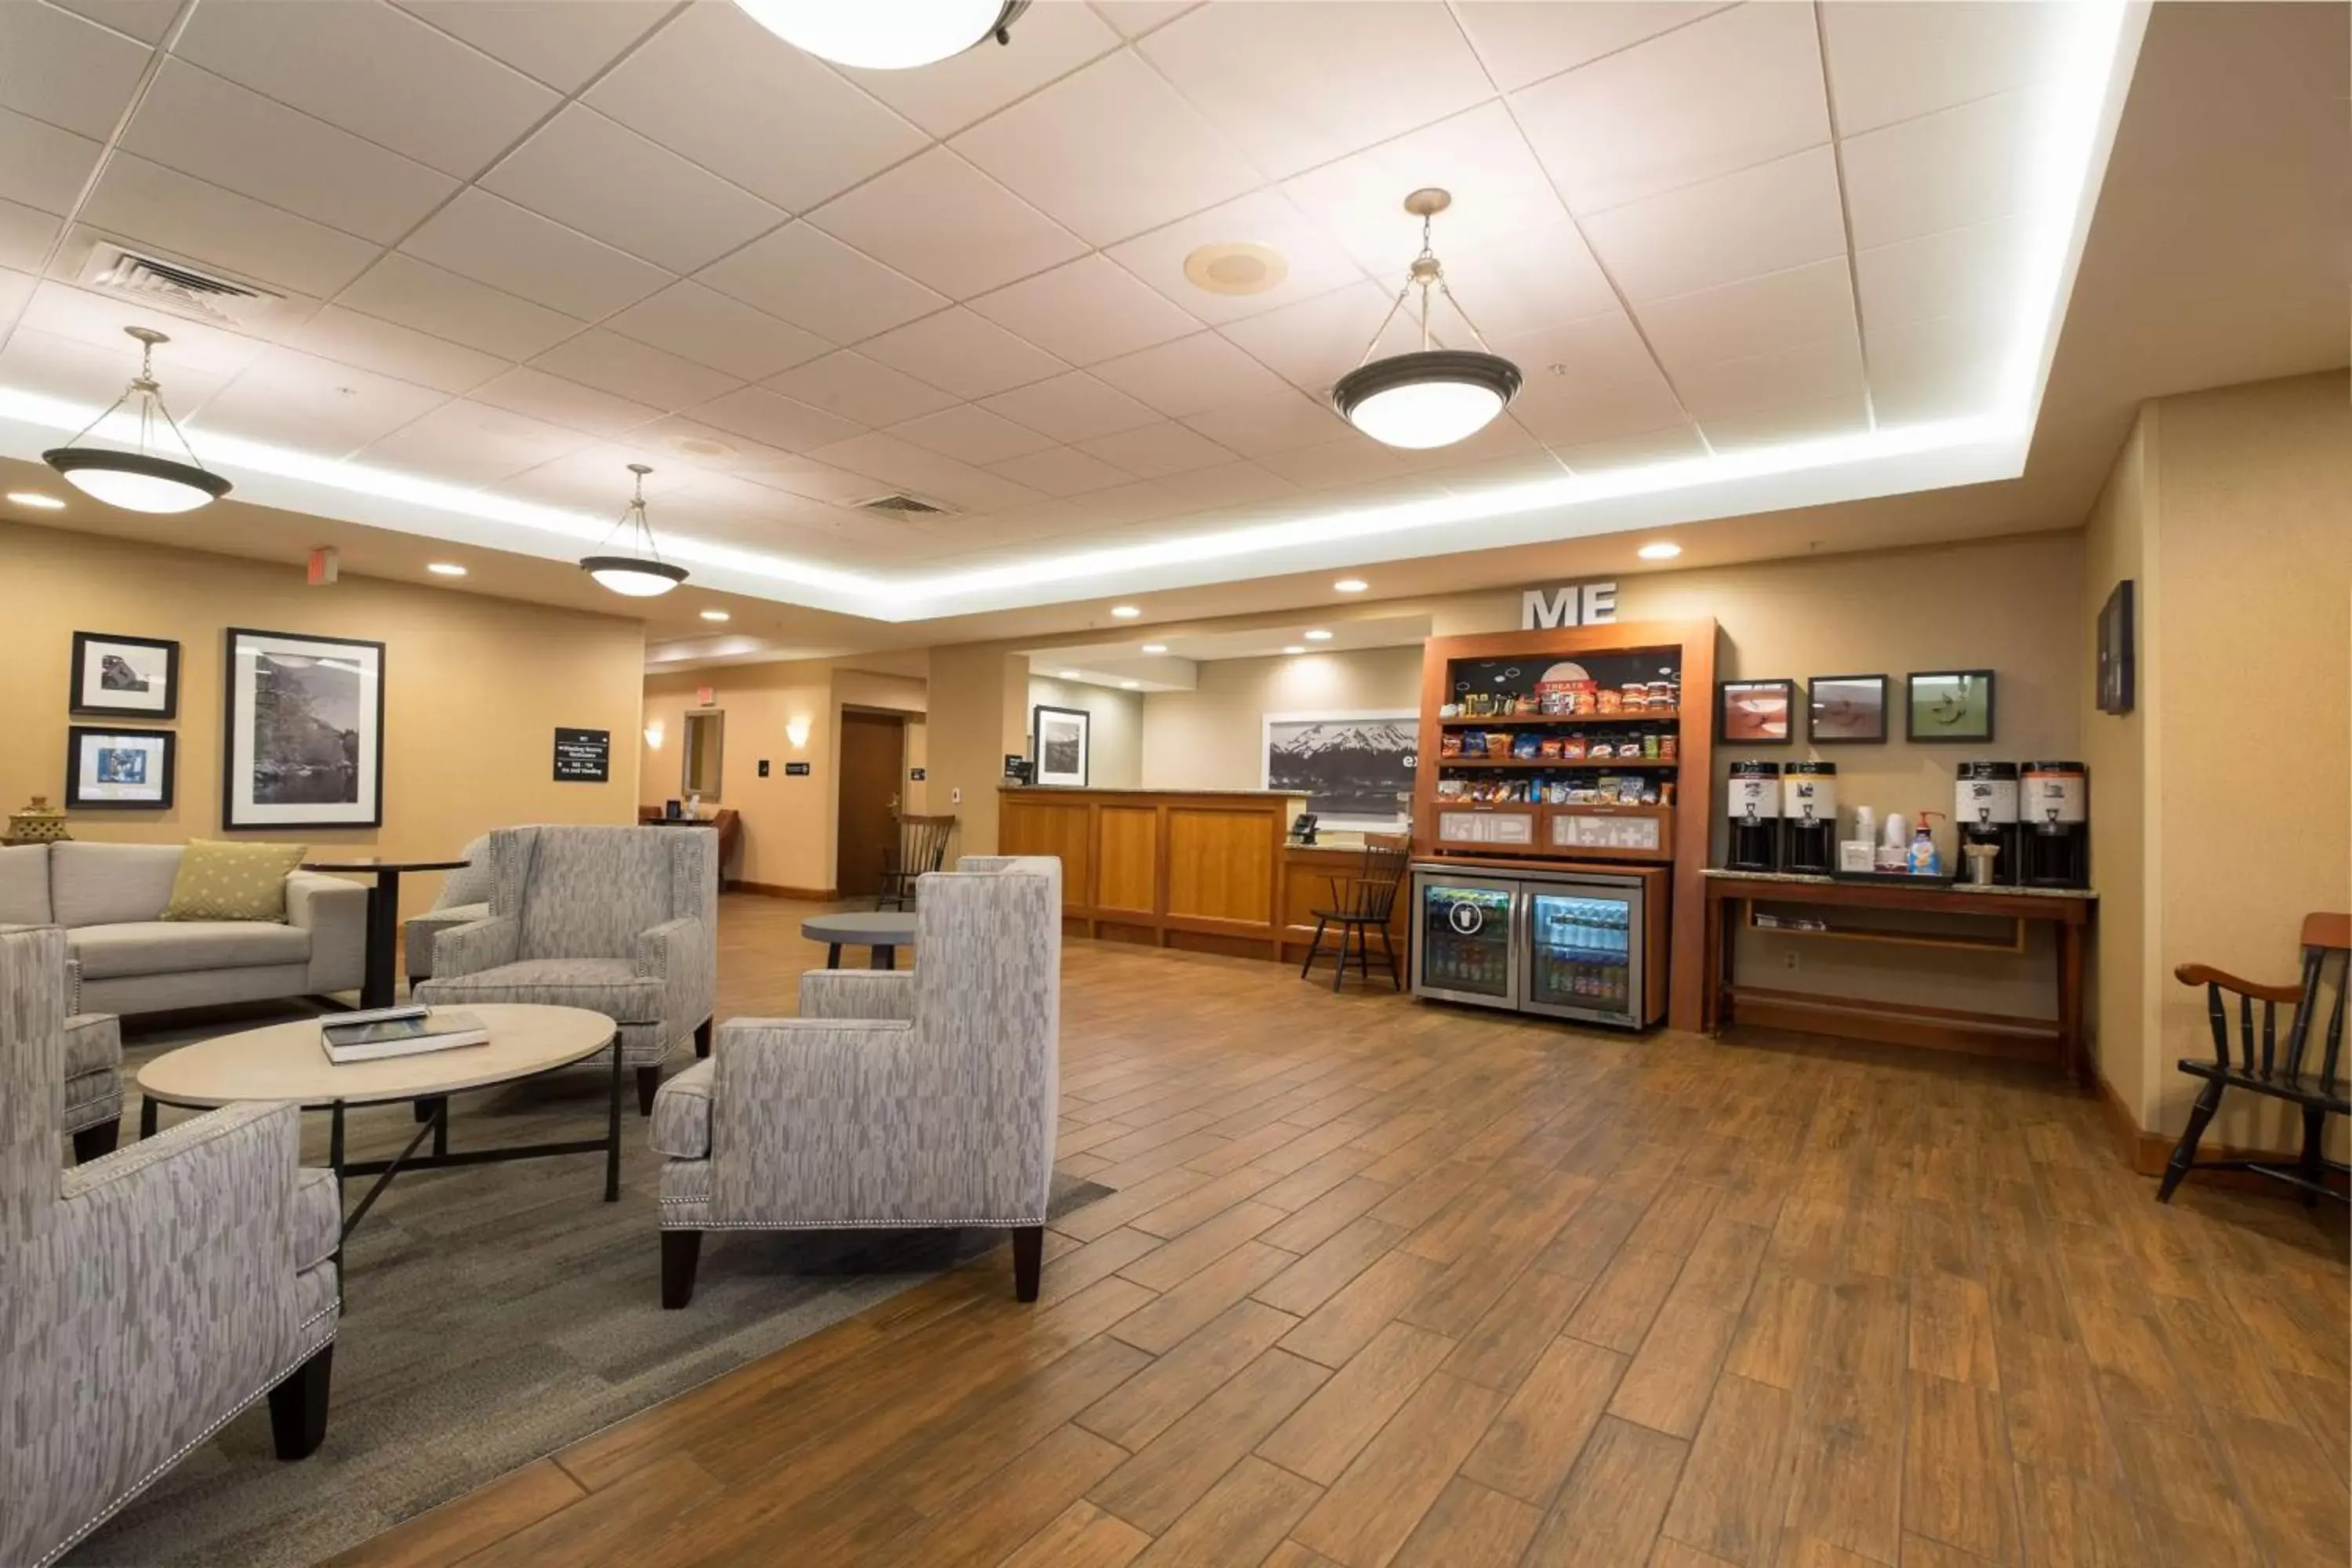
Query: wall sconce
x=654, y=736
x=796, y=730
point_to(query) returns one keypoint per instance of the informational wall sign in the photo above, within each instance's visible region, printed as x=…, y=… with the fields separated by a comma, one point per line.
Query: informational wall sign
x=1016, y=767
x=916, y=774
x=796, y=770
x=584, y=756
x=1569, y=605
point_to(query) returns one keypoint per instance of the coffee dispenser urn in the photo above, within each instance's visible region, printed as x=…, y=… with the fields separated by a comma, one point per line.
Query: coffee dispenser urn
x=1984, y=810
x=1808, y=818
x=1753, y=802
x=2054, y=838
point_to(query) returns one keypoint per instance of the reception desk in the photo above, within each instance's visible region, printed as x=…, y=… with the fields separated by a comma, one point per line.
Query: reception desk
x=1203, y=870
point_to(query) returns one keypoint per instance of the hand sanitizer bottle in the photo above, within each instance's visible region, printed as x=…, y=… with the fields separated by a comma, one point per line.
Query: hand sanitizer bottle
x=1924, y=861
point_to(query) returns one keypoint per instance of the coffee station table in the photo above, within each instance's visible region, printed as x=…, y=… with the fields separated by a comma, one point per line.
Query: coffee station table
x=383, y=914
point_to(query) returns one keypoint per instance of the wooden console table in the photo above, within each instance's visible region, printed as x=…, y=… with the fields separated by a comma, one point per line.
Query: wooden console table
x=1733, y=896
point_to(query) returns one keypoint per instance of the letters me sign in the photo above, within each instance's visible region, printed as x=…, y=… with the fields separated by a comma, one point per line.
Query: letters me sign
x=1569, y=605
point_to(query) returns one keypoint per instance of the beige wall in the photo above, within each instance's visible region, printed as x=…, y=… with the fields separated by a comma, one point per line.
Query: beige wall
x=474, y=690
x=1213, y=737
x=1114, y=736
x=978, y=711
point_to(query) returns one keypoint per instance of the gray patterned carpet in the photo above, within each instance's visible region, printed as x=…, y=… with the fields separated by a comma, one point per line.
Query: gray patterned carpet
x=493, y=1315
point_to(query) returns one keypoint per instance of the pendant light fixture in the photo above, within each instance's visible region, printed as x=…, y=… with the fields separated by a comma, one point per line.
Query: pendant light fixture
x=886, y=35
x=644, y=576
x=140, y=481
x=1432, y=397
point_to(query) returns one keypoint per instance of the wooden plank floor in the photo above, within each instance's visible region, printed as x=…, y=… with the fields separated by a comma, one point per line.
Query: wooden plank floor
x=1393, y=1283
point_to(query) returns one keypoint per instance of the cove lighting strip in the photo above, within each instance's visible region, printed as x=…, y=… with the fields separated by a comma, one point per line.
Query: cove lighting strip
x=2084, y=99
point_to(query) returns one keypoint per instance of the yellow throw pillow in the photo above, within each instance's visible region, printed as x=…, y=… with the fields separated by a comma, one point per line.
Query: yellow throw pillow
x=221, y=881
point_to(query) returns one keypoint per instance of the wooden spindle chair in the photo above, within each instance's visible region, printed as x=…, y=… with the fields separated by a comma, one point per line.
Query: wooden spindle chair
x=1360, y=905
x=2264, y=1067
x=922, y=847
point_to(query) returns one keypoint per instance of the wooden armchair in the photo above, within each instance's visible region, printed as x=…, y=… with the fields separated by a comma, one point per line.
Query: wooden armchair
x=1362, y=905
x=2264, y=1067
x=921, y=848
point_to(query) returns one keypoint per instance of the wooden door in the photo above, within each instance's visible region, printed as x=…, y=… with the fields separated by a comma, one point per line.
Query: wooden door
x=873, y=751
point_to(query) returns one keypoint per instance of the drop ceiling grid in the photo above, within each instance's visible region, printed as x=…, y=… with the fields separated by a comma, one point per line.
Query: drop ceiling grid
x=629, y=270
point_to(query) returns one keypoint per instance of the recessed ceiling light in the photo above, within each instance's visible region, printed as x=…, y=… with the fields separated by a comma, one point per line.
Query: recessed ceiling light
x=1067, y=675
x=1236, y=267
x=1350, y=585
x=1660, y=551
x=1296, y=648
x=445, y=569
x=36, y=500
x=1125, y=612
x=1129, y=685
x=1155, y=647
x=716, y=616
x=700, y=446
x=1318, y=635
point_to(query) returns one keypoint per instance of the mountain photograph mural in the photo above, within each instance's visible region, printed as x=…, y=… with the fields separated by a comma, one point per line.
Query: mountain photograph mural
x=1353, y=768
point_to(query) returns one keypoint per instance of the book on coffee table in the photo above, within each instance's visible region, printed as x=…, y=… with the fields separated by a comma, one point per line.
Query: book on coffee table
x=369, y=1040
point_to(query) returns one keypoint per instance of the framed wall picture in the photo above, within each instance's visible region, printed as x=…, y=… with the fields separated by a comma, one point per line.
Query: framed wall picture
x=2118, y=665
x=1948, y=705
x=1354, y=766
x=113, y=769
x=1846, y=708
x=1060, y=740
x=305, y=742
x=136, y=678
x=1756, y=712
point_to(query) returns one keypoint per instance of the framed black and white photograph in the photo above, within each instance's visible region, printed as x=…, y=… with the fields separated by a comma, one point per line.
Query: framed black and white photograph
x=1950, y=705
x=2117, y=665
x=1354, y=767
x=112, y=769
x=1060, y=740
x=305, y=742
x=136, y=678
x=1846, y=708
x=1756, y=712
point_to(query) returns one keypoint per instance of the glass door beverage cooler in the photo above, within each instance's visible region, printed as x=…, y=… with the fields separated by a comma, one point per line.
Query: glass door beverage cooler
x=1567, y=944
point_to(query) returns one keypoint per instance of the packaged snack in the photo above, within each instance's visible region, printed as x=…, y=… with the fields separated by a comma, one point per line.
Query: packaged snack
x=1601, y=749
x=1449, y=744
x=1650, y=745
x=1498, y=744
x=1670, y=748
x=1586, y=702
x=1550, y=747
x=1572, y=749
x=1527, y=746
x=1610, y=701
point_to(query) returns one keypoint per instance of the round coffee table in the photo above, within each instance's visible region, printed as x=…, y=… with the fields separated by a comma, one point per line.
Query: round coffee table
x=287, y=1062
x=882, y=931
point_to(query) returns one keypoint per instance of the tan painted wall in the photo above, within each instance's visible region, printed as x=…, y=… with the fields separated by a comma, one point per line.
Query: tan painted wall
x=1114, y=738
x=474, y=690
x=979, y=711
x=1213, y=737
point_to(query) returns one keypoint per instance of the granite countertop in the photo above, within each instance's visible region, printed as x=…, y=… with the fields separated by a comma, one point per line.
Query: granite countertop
x=1932, y=885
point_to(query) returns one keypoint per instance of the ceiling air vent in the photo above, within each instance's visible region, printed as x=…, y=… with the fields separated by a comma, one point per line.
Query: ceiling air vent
x=176, y=287
x=904, y=506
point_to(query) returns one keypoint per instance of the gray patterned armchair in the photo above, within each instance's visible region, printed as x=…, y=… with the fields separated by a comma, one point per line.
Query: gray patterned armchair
x=897, y=1099
x=465, y=899
x=619, y=921
x=150, y=1296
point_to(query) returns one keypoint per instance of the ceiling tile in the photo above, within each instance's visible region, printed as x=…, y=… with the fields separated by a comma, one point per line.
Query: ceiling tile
x=596, y=477
x=349, y=338
x=1227, y=484
x=947, y=95
x=1109, y=152
x=895, y=462
x=26, y=236
x=1136, y=17
x=56, y=66
x=1350, y=459
x=1190, y=375
x=1522, y=43
x=1789, y=422
x=98, y=319
x=42, y=166
x=1071, y=407
x=15, y=287
x=1945, y=368
x=1315, y=263
x=375, y=71
x=1766, y=219
x=142, y=201
x=145, y=20
x=1061, y=471
x=92, y=374
x=611, y=184
x=524, y=390
x=1278, y=424
x=1675, y=443
x=1315, y=344
x=1157, y=450
x=1891, y=62
x=1500, y=191
x=818, y=481
x=561, y=42
x=311, y=405
x=711, y=328
x=471, y=443
x=493, y=241
x=964, y=353
x=1607, y=384
x=813, y=281
x=1754, y=316
x=1731, y=91
x=1541, y=277
x=203, y=125
x=639, y=372
x=1825, y=370
x=774, y=420
x=1973, y=272
x=943, y=223
x=413, y=293
x=971, y=434
x=1947, y=170
x=1294, y=86
x=1090, y=309
x=850, y=384
x=718, y=87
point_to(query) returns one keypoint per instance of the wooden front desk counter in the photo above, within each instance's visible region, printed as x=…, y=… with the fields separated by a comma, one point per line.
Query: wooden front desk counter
x=1210, y=870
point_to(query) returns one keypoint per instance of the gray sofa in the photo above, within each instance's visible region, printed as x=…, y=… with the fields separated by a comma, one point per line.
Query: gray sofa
x=108, y=896
x=896, y=1099
x=150, y=1295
